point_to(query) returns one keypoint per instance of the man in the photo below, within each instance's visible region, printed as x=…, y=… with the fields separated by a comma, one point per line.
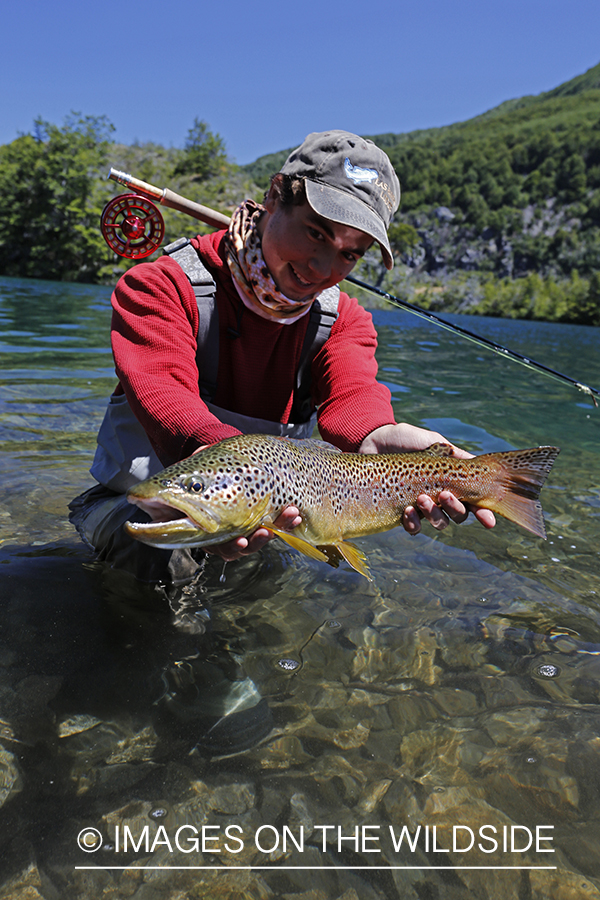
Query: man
x=274, y=343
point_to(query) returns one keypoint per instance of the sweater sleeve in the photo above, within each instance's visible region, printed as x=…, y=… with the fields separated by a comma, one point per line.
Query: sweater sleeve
x=154, y=327
x=351, y=401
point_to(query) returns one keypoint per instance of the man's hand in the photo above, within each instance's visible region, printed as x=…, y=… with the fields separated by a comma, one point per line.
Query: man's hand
x=404, y=438
x=238, y=547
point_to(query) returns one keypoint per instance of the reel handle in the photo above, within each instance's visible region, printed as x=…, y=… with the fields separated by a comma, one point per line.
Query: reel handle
x=171, y=199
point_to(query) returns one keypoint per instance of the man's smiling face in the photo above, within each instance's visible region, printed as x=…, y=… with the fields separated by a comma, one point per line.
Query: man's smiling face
x=304, y=252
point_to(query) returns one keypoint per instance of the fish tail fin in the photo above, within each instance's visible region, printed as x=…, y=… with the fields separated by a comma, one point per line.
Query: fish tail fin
x=520, y=479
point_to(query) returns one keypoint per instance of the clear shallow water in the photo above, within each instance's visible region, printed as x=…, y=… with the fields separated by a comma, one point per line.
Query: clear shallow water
x=459, y=690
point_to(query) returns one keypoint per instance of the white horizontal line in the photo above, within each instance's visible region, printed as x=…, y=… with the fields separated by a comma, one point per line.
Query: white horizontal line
x=279, y=868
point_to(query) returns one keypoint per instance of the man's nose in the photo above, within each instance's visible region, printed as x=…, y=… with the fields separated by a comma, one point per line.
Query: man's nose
x=321, y=262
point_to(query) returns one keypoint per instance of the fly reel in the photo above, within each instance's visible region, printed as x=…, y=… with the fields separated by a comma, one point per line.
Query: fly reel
x=132, y=226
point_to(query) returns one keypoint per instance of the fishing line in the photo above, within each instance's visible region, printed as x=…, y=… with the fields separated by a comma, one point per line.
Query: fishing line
x=126, y=234
x=477, y=339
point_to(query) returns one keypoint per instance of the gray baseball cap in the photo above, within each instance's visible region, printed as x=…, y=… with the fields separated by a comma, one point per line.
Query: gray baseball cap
x=348, y=180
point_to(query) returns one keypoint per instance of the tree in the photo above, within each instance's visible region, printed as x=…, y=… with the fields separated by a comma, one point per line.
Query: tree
x=584, y=307
x=52, y=200
x=403, y=238
x=204, y=154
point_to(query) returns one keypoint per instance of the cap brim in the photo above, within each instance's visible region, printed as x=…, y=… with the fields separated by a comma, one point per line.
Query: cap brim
x=339, y=206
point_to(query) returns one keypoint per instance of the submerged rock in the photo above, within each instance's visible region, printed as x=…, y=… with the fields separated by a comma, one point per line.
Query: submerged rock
x=76, y=724
x=26, y=885
x=11, y=780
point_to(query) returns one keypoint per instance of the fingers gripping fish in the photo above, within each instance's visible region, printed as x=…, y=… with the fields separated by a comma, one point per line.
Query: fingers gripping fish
x=232, y=488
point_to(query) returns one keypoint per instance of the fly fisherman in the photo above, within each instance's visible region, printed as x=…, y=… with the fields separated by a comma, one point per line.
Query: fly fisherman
x=246, y=330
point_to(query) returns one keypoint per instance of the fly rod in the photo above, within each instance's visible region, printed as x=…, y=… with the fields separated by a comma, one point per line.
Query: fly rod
x=171, y=199
x=476, y=338
x=133, y=228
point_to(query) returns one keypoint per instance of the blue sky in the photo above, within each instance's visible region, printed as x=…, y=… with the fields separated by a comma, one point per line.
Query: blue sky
x=263, y=74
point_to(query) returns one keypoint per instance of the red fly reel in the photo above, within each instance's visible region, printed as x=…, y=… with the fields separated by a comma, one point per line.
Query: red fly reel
x=132, y=226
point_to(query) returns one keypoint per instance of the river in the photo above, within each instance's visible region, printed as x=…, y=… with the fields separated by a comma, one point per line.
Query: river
x=432, y=734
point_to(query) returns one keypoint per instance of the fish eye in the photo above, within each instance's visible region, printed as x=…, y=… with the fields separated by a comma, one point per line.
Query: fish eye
x=195, y=485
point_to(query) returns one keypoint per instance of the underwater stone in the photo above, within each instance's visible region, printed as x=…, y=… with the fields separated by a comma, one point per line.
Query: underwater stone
x=10, y=776
x=371, y=796
x=351, y=737
x=24, y=885
x=282, y=753
x=232, y=799
x=456, y=702
x=76, y=724
x=300, y=816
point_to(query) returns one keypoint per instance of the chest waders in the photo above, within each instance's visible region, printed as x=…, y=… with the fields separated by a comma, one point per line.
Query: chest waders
x=125, y=456
x=323, y=313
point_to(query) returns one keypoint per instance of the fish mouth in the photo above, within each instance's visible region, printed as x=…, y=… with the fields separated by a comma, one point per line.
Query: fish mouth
x=167, y=516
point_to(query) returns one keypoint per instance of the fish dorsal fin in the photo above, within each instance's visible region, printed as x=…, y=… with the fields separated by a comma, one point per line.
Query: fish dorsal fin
x=440, y=449
x=312, y=444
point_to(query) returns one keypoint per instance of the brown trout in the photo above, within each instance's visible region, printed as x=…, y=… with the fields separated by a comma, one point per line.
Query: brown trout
x=232, y=488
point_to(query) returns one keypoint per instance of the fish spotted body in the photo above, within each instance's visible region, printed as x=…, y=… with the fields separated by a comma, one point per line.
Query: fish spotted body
x=242, y=483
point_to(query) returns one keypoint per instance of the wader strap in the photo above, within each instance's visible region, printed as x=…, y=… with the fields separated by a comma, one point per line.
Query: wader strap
x=205, y=288
x=323, y=314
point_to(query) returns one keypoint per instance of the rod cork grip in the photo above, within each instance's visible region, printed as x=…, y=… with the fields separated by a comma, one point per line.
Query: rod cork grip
x=171, y=200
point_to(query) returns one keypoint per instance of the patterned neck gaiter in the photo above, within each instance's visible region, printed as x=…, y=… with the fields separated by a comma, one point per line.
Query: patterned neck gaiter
x=252, y=279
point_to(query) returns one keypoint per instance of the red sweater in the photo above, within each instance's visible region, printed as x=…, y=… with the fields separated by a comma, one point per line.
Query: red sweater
x=154, y=327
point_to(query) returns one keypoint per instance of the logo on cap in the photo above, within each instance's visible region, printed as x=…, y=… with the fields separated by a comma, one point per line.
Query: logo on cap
x=359, y=175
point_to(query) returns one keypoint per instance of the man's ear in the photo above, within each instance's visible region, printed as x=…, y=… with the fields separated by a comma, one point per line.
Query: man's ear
x=273, y=195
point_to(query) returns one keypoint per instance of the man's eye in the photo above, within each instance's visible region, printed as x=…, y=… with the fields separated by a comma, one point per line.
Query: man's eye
x=315, y=234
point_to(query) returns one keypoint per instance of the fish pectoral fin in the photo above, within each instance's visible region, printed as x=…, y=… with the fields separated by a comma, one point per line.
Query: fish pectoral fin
x=354, y=557
x=329, y=553
x=256, y=516
x=299, y=544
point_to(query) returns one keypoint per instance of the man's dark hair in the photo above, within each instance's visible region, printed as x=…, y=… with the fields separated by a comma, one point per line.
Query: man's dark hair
x=290, y=187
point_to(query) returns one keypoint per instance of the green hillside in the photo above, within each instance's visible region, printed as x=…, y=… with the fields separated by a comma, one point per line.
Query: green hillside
x=590, y=80
x=523, y=151
x=494, y=202
x=500, y=214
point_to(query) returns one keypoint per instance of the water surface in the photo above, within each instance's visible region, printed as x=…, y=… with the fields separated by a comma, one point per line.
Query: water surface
x=459, y=691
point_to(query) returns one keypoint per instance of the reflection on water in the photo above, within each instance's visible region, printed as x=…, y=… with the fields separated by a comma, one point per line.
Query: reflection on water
x=317, y=735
